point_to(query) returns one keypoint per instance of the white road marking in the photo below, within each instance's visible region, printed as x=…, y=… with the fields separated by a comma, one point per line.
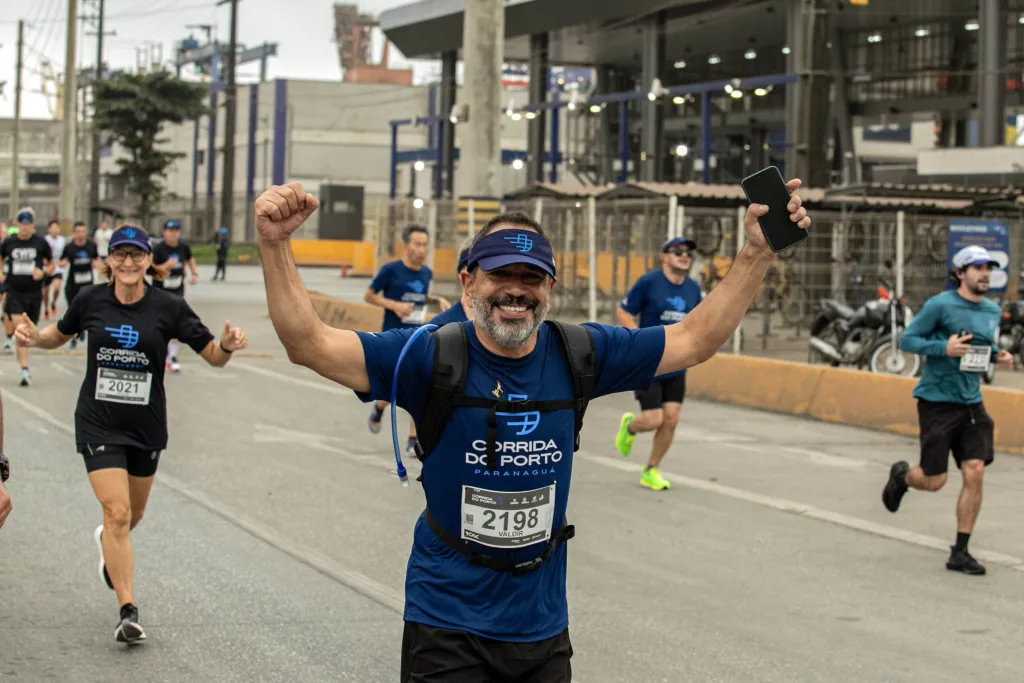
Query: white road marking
x=59, y=367
x=362, y=584
x=884, y=530
x=323, y=385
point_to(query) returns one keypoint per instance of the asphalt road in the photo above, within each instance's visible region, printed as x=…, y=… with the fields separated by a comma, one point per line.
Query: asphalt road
x=275, y=544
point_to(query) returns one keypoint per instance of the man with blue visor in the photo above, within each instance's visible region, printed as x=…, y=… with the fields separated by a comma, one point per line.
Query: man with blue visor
x=486, y=582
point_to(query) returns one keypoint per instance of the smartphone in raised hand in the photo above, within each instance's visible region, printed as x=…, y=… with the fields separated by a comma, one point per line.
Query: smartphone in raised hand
x=769, y=188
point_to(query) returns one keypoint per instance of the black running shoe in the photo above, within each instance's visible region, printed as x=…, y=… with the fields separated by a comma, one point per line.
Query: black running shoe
x=128, y=630
x=962, y=561
x=894, y=489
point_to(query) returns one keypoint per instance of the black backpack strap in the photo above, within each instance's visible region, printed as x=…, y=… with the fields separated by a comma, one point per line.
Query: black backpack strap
x=447, y=381
x=579, y=349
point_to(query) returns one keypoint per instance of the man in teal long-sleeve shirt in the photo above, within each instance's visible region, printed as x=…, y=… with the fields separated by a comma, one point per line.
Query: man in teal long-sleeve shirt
x=956, y=331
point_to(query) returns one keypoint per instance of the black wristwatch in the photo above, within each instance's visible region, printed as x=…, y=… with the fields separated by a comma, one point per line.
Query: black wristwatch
x=5, y=468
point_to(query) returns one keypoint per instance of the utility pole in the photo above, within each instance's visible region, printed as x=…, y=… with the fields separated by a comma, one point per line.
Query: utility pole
x=94, y=169
x=15, y=167
x=68, y=157
x=230, y=107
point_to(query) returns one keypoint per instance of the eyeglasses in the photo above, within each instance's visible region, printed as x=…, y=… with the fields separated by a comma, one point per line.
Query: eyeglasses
x=119, y=256
x=680, y=252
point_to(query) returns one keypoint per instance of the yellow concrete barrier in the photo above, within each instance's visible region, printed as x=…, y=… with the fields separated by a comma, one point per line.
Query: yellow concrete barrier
x=852, y=397
x=335, y=253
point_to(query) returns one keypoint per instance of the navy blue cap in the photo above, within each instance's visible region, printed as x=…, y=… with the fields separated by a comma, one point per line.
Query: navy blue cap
x=130, y=234
x=172, y=225
x=674, y=242
x=463, y=260
x=505, y=247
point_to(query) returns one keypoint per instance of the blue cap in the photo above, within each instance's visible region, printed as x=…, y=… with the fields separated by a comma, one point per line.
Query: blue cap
x=674, y=242
x=172, y=225
x=26, y=216
x=463, y=260
x=505, y=247
x=223, y=231
x=130, y=234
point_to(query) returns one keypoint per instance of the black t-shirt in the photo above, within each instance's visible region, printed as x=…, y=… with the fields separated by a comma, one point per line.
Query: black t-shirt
x=122, y=401
x=178, y=257
x=21, y=257
x=80, y=259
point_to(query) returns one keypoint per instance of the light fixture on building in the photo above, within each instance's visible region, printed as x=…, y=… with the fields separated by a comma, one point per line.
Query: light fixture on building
x=1020, y=19
x=572, y=106
x=680, y=64
x=517, y=164
x=786, y=50
x=875, y=38
x=729, y=88
x=417, y=203
x=750, y=54
x=714, y=59
x=678, y=99
x=531, y=115
x=682, y=150
x=517, y=116
x=972, y=25
x=760, y=92
x=736, y=94
x=595, y=109
x=419, y=165
x=921, y=32
x=657, y=90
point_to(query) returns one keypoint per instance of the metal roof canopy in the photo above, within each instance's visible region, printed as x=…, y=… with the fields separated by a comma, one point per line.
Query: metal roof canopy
x=591, y=32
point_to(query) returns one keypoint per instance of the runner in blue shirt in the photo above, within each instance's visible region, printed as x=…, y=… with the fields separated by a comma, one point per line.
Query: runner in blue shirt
x=402, y=289
x=463, y=310
x=494, y=607
x=949, y=404
x=661, y=297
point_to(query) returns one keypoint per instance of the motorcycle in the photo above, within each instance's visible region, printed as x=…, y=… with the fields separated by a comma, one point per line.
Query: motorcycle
x=1011, y=335
x=866, y=336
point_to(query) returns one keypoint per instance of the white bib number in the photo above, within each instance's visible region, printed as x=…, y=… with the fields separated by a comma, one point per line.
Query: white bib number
x=22, y=267
x=83, y=278
x=976, y=360
x=417, y=317
x=173, y=281
x=123, y=386
x=503, y=519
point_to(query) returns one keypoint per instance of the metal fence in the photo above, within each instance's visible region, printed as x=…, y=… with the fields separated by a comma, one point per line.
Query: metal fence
x=603, y=246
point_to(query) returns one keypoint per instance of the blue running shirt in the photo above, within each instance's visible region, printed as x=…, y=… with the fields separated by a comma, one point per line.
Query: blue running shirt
x=398, y=282
x=659, y=302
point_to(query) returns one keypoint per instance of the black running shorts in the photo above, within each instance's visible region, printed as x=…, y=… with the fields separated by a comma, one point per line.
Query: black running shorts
x=138, y=462
x=30, y=303
x=662, y=391
x=966, y=430
x=440, y=655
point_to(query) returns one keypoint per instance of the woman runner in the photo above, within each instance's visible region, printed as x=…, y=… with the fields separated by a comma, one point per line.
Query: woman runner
x=121, y=418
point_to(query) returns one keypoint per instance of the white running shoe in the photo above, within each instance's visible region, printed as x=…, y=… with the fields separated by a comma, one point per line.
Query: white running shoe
x=104, y=576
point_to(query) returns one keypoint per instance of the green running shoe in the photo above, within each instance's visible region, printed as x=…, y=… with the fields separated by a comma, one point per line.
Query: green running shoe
x=652, y=479
x=624, y=440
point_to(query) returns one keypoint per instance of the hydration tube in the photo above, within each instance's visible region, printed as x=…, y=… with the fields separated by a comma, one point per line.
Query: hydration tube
x=403, y=476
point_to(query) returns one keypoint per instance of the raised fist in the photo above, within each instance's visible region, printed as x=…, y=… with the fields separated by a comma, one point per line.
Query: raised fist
x=281, y=210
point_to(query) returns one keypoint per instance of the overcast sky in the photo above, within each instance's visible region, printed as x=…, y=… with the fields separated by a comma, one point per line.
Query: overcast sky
x=303, y=29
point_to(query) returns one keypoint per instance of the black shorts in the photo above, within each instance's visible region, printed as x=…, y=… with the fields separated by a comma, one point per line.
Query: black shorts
x=47, y=279
x=441, y=655
x=662, y=391
x=29, y=303
x=138, y=462
x=966, y=430
x=71, y=290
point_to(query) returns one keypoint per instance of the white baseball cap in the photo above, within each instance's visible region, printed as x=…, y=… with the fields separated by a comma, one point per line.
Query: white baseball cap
x=973, y=256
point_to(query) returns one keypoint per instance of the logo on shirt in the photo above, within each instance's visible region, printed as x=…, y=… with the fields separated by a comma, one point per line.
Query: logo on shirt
x=677, y=303
x=527, y=422
x=497, y=389
x=126, y=335
x=521, y=241
x=416, y=286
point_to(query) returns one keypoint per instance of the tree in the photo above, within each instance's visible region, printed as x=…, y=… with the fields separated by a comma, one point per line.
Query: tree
x=133, y=109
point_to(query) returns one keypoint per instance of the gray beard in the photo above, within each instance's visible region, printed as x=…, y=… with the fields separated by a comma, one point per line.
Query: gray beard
x=509, y=335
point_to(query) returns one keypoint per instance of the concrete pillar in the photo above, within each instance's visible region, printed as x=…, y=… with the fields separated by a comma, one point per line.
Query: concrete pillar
x=538, y=93
x=652, y=58
x=449, y=86
x=606, y=84
x=483, y=43
x=842, y=121
x=807, y=102
x=992, y=73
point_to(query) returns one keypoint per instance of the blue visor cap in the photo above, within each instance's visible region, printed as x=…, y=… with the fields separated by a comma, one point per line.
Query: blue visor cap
x=671, y=244
x=505, y=247
x=463, y=260
x=131, y=235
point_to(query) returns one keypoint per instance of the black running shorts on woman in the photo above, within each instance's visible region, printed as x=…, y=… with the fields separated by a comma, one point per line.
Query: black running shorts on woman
x=122, y=400
x=966, y=430
x=138, y=462
x=440, y=655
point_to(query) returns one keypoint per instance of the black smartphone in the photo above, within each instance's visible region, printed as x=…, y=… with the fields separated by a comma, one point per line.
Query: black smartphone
x=768, y=187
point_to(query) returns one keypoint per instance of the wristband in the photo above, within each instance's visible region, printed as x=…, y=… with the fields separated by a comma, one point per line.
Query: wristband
x=223, y=349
